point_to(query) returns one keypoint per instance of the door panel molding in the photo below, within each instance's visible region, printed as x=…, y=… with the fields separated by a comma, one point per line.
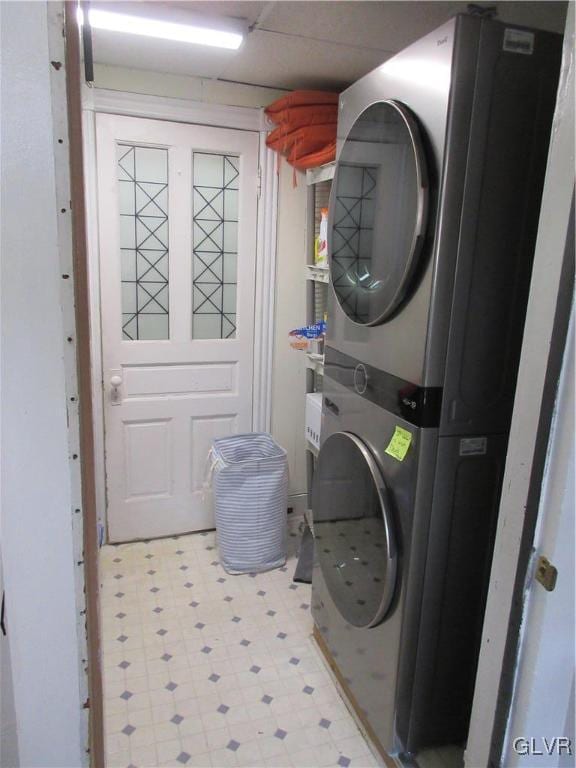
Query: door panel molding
x=176, y=110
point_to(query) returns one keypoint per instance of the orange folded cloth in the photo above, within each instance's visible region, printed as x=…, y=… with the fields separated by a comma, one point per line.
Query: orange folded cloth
x=306, y=131
x=295, y=117
x=300, y=99
x=325, y=155
x=303, y=140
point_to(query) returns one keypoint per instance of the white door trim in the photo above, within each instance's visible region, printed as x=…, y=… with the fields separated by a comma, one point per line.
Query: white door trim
x=181, y=110
x=265, y=289
x=91, y=195
x=175, y=110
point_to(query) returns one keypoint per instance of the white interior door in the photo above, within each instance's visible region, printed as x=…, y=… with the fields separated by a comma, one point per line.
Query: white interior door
x=177, y=230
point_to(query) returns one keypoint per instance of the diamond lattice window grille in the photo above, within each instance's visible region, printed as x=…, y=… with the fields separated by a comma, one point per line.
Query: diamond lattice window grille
x=215, y=245
x=143, y=194
x=352, y=241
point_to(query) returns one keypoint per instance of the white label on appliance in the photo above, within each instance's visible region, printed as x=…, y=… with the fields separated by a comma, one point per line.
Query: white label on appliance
x=518, y=41
x=473, y=446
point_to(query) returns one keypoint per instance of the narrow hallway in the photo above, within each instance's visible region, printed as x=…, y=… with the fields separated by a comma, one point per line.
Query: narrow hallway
x=206, y=669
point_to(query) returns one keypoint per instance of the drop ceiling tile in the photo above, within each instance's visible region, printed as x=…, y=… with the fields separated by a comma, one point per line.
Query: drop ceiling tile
x=325, y=44
x=244, y=9
x=393, y=24
x=388, y=26
x=281, y=61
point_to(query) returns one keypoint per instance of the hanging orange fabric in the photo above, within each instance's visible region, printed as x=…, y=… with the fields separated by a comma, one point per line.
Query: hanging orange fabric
x=300, y=99
x=314, y=114
x=306, y=131
x=325, y=155
x=278, y=140
x=308, y=139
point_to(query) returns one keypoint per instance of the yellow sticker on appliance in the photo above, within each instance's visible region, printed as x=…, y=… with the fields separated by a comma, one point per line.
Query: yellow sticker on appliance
x=398, y=446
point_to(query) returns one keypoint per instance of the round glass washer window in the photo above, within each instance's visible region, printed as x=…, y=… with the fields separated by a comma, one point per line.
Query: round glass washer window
x=354, y=540
x=378, y=212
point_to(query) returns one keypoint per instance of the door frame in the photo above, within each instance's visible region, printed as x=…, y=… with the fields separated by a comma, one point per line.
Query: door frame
x=523, y=509
x=100, y=100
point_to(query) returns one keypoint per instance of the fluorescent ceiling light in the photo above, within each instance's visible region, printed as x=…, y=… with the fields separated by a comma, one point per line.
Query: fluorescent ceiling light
x=166, y=30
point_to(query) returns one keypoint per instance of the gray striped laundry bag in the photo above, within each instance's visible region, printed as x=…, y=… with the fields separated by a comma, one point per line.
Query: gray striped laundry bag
x=250, y=485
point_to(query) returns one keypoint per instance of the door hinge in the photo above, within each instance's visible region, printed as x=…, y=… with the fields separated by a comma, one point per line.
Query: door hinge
x=2, y=615
x=259, y=187
x=546, y=573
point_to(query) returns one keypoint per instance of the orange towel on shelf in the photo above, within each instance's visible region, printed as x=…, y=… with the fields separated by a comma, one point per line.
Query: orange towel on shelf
x=306, y=130
x=295, y=117
x=308, y=143
x=278, y=140
x=325, y=155
x=281, y=139
x=303, y=140
x=300, y=99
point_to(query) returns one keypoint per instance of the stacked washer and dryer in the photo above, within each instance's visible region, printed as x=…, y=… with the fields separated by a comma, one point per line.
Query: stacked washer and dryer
x=433, y=218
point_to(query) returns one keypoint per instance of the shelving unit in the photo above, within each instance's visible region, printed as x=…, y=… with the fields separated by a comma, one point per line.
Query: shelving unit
x=311, y=448
x=319, y=181
x=317, y=274
x=322, y=173
x=315, y=363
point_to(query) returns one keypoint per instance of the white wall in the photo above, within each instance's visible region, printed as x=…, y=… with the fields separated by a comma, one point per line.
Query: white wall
x=36, y=514
x=183, y=87
x=289, y=372
x=553, y=226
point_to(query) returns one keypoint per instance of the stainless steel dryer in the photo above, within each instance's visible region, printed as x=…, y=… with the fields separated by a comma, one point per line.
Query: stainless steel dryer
x=433, y=217
x=434, y=211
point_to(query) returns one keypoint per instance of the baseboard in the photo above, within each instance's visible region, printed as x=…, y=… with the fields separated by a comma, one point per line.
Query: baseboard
x=298, y=503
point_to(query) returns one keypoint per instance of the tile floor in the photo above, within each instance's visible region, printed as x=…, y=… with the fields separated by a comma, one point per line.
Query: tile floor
x=206, y=669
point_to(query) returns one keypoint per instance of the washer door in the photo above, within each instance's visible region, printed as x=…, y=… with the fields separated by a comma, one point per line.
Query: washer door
x=378, y=212
x=355, y=543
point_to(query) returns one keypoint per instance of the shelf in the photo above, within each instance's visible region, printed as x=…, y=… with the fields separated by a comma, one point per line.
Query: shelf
x=315, y=362
x=312, y=448
x=322, y=173
x=318, y=181
x=318, y=274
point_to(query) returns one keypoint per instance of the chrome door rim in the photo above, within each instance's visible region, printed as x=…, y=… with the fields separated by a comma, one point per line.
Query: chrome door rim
x=391, y=552
x=421, y=216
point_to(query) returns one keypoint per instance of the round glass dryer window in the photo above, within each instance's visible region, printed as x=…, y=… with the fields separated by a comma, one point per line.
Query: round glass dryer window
x=355, y=544
x=378, y=213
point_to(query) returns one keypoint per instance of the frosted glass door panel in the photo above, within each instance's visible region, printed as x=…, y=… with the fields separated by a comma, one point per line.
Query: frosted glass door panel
x=143, y=202
x=215, y=180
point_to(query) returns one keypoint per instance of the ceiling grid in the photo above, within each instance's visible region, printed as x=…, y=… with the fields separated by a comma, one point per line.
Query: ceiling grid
x=294, y=44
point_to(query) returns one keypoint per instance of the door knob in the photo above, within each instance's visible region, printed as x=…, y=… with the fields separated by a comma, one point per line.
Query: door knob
x=115, y=383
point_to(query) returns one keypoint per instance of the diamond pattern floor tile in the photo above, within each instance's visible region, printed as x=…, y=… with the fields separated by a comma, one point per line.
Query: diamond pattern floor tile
x=206, y=669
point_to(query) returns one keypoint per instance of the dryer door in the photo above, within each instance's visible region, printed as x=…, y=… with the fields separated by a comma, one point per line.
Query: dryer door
x=355, y=543
x=378, y=212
